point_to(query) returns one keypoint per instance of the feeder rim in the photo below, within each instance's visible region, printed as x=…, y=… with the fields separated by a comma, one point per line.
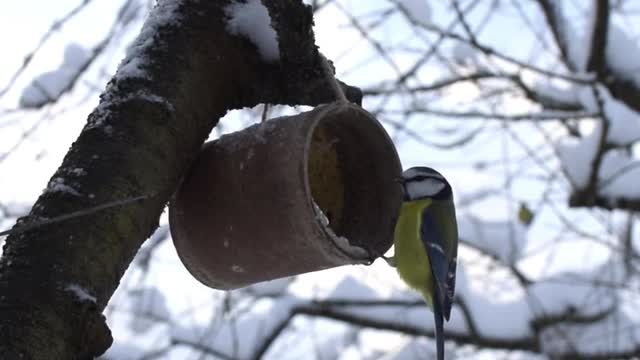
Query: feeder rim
x=325, y=110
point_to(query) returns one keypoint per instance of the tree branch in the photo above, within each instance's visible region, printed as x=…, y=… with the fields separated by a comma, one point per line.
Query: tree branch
x=597, y=60
x=557, y=25
x=299, y=75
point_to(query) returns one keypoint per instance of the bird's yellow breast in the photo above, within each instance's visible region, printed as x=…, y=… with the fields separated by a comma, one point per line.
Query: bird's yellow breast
x=410, y=255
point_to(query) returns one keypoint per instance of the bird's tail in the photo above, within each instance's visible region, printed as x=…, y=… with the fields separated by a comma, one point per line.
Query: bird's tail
x=437, y=314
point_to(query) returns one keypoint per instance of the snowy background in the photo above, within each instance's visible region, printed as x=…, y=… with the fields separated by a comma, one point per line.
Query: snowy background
x=533, y=120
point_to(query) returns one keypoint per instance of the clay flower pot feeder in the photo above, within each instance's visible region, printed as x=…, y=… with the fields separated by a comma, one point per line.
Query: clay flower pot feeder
x=292, y=195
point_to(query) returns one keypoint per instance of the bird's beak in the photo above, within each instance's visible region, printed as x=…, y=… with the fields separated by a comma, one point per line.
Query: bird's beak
x=398, y=179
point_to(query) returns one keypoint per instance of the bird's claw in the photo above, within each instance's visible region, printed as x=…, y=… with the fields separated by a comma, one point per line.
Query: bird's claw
x=390, y=260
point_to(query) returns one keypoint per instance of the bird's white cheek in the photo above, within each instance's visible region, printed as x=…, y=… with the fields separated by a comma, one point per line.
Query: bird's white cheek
x=424, y=188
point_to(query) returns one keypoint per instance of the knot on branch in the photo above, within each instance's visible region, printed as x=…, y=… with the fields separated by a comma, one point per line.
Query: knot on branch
x=97, y=337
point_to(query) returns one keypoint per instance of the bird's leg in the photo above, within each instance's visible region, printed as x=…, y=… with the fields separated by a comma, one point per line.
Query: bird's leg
x=391, y=261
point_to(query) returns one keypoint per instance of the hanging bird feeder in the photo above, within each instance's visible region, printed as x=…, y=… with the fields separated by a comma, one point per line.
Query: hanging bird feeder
x=292, y=195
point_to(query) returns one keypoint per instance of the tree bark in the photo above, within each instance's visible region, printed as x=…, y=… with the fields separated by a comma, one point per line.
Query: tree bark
x=56, y=277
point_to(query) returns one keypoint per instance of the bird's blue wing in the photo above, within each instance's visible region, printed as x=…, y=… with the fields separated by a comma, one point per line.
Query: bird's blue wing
x=442, y=267
x=450, y=286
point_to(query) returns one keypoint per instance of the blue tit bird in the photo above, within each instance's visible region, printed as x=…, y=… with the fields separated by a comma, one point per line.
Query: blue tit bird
x=426, y=243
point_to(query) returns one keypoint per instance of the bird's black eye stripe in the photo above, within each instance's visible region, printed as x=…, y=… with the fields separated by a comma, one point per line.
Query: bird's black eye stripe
x=420, y=177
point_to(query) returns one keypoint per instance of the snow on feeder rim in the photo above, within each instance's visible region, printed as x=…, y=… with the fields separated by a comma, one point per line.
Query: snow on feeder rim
x=292, y=195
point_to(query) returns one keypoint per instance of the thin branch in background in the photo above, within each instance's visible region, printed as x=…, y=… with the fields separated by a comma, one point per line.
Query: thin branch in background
x=463, y=22
x=25, y=135
x=557, y=24
x=57, y=25
x=599, y=30
x=534, y=116
x=538, y=33
x=489, y=51
x=365, y=33
x=201, y=348
x=435, y=86
x=586, y=195
x=433, y=48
